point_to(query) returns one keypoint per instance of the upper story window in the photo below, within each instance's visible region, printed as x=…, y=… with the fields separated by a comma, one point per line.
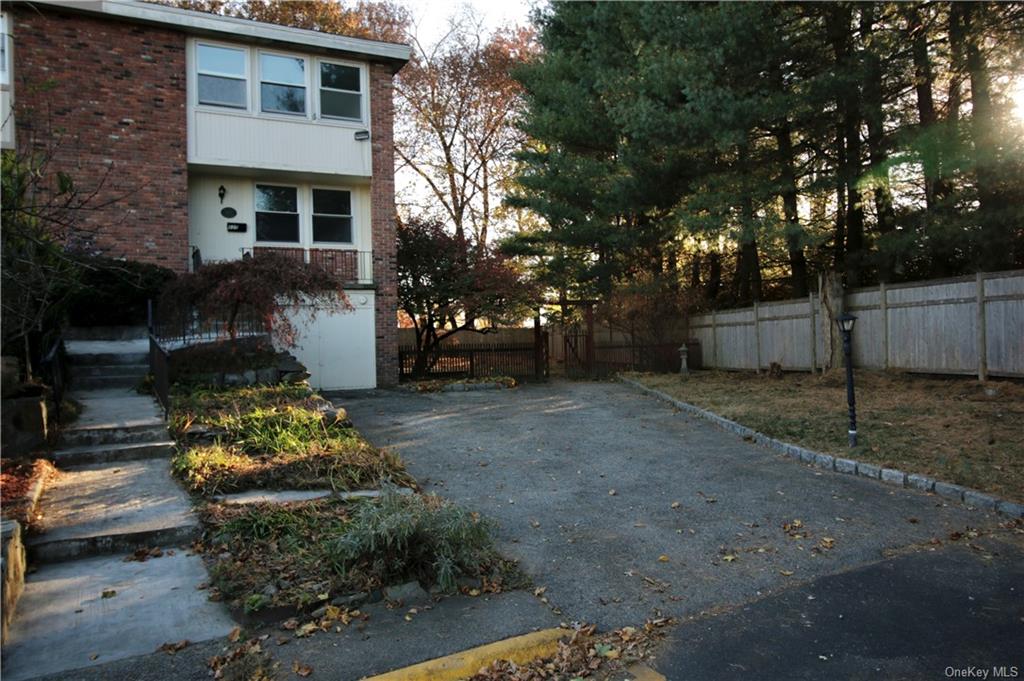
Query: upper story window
x=258, y=81
x=277, y=213
x=340, y=92
x=282, y=84
x=5, y=72
x=221, y=76
x=332, y=216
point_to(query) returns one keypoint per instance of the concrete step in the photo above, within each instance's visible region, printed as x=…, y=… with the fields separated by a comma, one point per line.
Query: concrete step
x=92, y=352
x=106, y=333
x=92, y=437
x=108, y=382
x=132, y=451
x=115, y=416
x=112, y=508
x=124, y=380
x=108, y=358
x=83, y=370
x=64, y=623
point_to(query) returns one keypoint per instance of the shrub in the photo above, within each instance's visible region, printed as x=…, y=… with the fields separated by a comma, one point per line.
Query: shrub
x=114, y=292
x=265, y=287
x=422, y=536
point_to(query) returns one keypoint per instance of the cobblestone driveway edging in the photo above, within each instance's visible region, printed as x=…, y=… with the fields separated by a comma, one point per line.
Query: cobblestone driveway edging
x=891, y=476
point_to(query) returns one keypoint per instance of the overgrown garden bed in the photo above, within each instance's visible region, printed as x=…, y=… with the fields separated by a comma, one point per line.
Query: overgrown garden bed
x=332, y=553
x=273, y=437
x=952, y=429
x=316, y=556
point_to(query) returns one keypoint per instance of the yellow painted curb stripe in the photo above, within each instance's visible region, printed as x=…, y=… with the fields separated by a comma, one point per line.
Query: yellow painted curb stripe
x=641, y=672
x=518, y=649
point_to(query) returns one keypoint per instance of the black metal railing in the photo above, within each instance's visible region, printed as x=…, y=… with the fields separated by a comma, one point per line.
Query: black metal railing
x=191, y=326
x=159, y=369
x=54, y=369
x=352, y=267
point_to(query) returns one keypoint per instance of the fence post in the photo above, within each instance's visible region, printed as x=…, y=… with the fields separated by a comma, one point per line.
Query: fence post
x=472, y=364
x=538, y=370
x=714, y=339
x=884, y=303
x=982, y=339
x=757, y=337
x=814, y=335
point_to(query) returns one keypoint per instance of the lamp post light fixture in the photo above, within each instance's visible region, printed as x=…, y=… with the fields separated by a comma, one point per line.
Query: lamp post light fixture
x=846, y=322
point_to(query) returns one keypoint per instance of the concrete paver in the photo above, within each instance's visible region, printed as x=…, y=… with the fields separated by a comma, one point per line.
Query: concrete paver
x=129, y=497
x=65, y=623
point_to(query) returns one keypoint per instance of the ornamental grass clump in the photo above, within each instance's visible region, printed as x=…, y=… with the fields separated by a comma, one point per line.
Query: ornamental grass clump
x=421, y=537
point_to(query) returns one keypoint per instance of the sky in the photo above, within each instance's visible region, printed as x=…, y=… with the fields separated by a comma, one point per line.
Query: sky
x=431, y=16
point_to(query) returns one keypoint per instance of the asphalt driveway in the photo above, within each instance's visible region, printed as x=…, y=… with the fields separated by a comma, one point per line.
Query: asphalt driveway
x=624, y=508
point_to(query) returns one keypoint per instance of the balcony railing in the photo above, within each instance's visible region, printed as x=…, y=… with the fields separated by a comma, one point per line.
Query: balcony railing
x=353, y=267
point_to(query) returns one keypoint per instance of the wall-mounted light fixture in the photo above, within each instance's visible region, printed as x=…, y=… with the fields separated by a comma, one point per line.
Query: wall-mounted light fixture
x=362, y=135
x=222, y=192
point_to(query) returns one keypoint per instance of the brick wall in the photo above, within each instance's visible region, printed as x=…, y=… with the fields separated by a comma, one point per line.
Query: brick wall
x=108, y=98
x=382, y=217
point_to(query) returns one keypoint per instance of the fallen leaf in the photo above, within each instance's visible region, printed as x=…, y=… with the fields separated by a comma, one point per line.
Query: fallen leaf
x=612, y=493
x=474, y=592
x=539, y=591
x=290, y=624
x=728, y=558
x=675, y=504
x=94, y=656
x=786, y=573
x=235, y=634
x=306, y=629
x=302, y=670
x=109, y=593
x=827, y=543
x=171, y=648
x=663, y=558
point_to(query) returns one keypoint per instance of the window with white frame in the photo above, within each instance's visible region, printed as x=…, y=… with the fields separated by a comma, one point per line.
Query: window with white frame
x=5, y=70
x=277, y=213
x=282, y=84
x=332, y=216
x=341, y=91
x=221, y=76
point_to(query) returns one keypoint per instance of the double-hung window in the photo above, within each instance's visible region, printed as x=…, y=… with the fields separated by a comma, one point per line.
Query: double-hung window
x=277, y=213
x=332, y=216
x=282, y=84
x=222, y=76
x=340, y=92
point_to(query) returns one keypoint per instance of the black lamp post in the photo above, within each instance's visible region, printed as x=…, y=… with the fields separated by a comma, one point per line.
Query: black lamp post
x=845, y=322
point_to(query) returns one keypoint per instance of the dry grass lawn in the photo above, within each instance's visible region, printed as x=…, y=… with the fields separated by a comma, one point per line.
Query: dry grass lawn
x=954, y=429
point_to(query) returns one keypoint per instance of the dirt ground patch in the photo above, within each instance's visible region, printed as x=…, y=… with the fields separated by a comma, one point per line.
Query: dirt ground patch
x=16, y=481
x=954, y=429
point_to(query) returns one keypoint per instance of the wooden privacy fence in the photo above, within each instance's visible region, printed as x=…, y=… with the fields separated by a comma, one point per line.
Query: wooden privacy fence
x=966, y=325
x=526, y=361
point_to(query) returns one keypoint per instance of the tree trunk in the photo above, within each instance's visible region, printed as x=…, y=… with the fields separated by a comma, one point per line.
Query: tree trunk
x=838, y=26
x=994, y=251
x=714, y=281
x=695, y=272
x=877, y=149
x=926, y=116
x=794, y=233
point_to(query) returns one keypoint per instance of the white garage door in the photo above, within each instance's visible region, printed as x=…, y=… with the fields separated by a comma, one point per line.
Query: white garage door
x=339, y=349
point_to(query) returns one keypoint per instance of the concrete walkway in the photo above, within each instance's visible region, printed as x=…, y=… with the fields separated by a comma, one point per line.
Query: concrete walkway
x=85, y=605
x=624, y=508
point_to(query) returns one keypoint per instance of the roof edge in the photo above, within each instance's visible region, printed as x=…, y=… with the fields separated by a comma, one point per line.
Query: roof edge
x=190, y=21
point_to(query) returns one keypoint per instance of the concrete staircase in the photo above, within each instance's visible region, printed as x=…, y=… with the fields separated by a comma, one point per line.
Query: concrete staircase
x=114, y=495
